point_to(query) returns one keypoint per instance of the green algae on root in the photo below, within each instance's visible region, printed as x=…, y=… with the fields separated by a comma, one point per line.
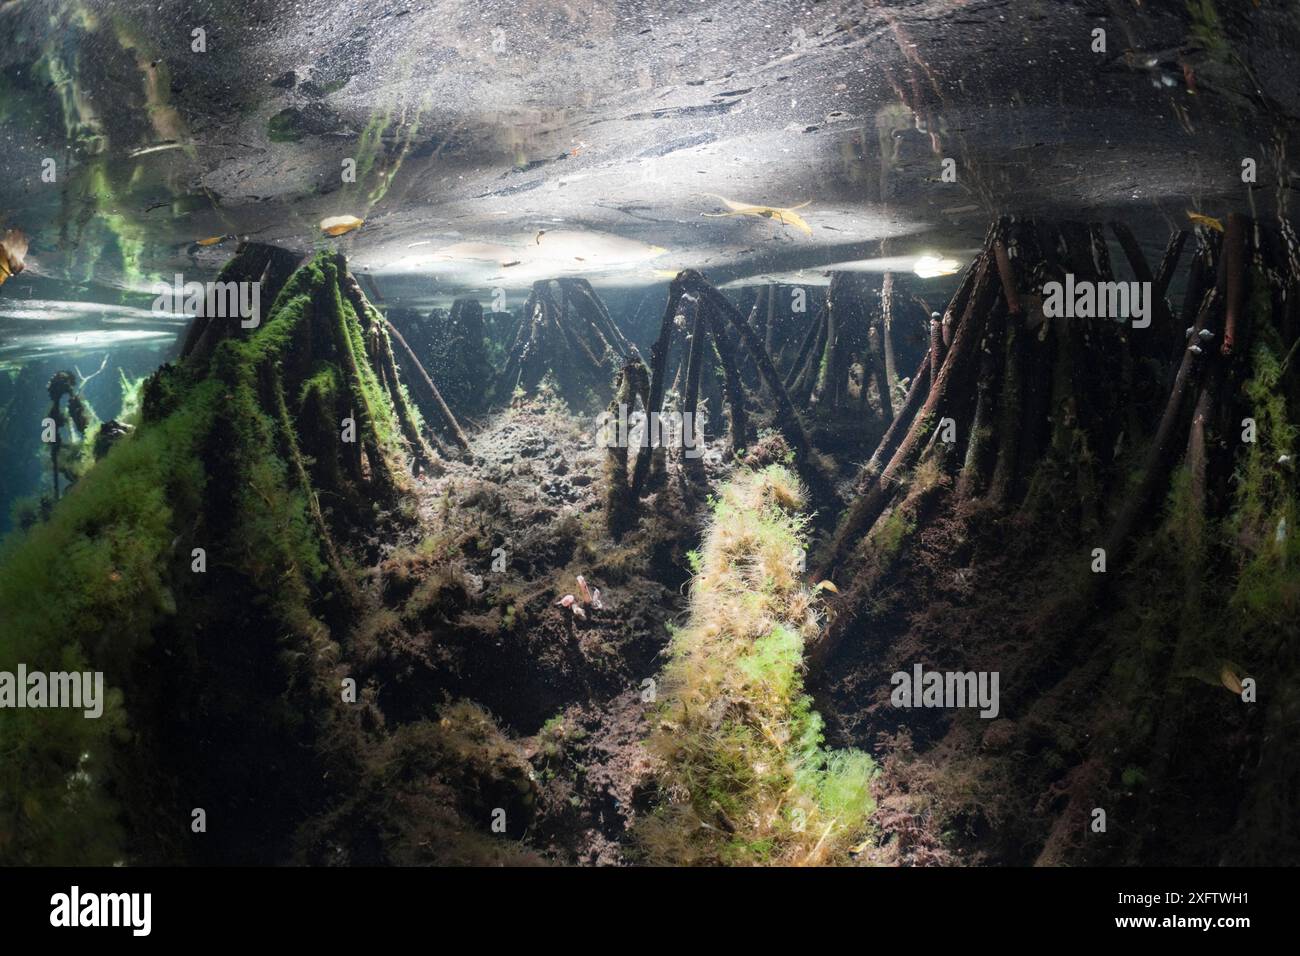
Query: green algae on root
x=745, y=778
x=197, y=568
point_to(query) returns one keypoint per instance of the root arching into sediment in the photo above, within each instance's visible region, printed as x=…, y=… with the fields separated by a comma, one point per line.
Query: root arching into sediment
x=1067, y=477
x=568, y=333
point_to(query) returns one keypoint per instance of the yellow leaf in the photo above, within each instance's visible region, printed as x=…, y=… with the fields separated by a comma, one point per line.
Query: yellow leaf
x=1230, y=680
x=1199, y=220
x=827, y=586
x=785, y=215
x=338, y=225
x=13, y=250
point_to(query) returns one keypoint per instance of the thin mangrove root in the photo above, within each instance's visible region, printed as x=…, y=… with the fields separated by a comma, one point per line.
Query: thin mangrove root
x=448, y=419
x=864, y=511
x=271, y=382
x=787, y=419
x=658, y=370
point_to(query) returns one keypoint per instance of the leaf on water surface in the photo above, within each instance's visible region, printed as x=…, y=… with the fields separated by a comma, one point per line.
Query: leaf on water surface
x=785, y=215
x=13, y=252
x=1230, y=680
x=338, y=225
x=1209, y=221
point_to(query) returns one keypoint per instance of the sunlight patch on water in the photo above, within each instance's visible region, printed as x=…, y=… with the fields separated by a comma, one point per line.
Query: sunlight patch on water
x=35, y=328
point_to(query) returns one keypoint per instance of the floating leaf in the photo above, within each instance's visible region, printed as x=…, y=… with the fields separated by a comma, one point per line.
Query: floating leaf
x=338, y=225
x=1208, y=221
x=1230, y=680
x=785, y=215
x=13, y=252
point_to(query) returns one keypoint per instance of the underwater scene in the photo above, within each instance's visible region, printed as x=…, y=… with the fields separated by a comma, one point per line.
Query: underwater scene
x=649, y=433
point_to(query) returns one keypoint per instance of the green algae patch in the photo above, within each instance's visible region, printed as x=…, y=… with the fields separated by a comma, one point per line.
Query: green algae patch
x=745, y=778
x=194, y=566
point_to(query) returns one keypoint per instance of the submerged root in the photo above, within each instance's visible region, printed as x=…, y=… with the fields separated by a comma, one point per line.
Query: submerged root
x=745, y=779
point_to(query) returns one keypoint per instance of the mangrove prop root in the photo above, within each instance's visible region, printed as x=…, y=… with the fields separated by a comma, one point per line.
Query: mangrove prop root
x=805, y=349
x=787, y=419
x=958, y=303
x=690, y=402
x=1010, y=410
x=658, y=371
x=695, y=361
x=864, y=511
x=936, y=341
x=877, y=371
x=735, y=388
x=585, y=301
x=448, y=419
x=826, y=377
x=975, y=467
x=380, y=345
x=1169, y=262
x=1159, y=460
x=632, y=382
x=887, y=331
x=1007, y=277
x=916, y=395
x=565, y=330
x=326, y=299
x=807, y=377
x=272, y=384
x=1234, y=255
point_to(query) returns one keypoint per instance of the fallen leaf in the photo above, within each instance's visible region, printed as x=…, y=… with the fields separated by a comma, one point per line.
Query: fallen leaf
x=338, y=225
x=1208, y=221
x=785, y=215
x=1230, y=680
x=13, y=252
